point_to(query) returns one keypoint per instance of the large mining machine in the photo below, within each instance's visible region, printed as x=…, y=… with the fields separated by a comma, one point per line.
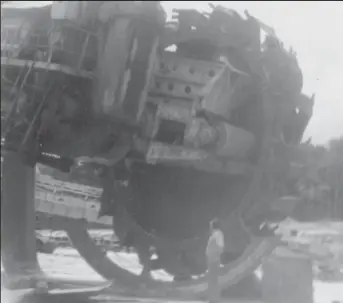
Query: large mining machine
x=175, y=121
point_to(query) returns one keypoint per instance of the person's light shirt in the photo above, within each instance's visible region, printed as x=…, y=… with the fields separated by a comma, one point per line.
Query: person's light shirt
x=219, y=238
x=215, y=245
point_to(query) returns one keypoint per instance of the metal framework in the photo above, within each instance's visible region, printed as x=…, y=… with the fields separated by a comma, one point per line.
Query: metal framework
x=151, y=107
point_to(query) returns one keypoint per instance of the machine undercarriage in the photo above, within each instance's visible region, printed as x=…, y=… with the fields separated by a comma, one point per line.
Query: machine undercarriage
x=178, y=122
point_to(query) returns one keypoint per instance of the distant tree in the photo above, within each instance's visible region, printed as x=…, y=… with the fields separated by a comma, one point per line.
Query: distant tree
x=331, y=174
x=321, y=180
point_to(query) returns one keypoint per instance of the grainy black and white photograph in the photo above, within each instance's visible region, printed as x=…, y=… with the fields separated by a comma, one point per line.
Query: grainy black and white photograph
x=171, y=152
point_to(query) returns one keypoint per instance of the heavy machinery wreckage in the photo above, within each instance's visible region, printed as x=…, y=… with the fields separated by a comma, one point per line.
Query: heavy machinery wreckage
x=179, y=121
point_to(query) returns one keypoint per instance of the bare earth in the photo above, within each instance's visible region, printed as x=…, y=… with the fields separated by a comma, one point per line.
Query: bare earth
x=66, y=264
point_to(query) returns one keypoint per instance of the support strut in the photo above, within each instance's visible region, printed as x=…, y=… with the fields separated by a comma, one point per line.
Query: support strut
x=18, y=242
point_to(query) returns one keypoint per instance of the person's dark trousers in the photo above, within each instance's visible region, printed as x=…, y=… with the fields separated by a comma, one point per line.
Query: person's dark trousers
x=213, y=281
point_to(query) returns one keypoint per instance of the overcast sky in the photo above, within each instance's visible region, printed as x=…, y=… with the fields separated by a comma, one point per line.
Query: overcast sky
x=315, y=30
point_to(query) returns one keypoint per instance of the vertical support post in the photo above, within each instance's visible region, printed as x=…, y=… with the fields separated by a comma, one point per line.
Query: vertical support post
x=287, y=278
x=18, y=240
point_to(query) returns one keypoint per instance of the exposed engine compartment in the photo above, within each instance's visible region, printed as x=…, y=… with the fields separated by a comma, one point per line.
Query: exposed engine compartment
x=174, y=137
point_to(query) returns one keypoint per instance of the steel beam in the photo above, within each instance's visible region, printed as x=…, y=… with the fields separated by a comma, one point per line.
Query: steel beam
x=18, y=241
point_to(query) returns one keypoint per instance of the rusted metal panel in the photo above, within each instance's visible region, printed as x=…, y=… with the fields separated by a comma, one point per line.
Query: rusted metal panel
x=187, y=69
x=173, y=112
x=158, y=152
x=234, y=142
x=125, y=69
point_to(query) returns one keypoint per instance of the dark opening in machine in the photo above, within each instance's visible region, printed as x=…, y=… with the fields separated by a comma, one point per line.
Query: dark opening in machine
x=171, y=132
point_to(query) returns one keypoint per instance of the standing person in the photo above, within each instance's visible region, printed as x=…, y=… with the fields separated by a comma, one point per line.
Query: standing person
x=215, y=248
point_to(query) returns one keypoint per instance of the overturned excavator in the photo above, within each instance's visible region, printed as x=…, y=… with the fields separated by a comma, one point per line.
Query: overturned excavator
x=178, y=122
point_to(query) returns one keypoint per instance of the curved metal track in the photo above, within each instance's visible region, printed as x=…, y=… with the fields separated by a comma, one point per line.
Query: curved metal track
x=230, y=274
x=128, y=282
